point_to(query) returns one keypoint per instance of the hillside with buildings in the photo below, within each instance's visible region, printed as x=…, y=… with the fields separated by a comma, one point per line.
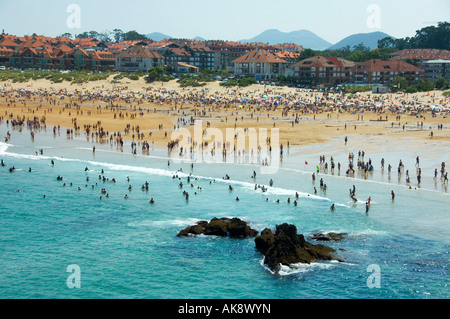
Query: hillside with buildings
x=262, y=61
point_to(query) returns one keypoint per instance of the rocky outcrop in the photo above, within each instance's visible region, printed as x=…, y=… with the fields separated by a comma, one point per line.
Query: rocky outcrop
x=232, y=227
x=286, y=247
x=282, y=247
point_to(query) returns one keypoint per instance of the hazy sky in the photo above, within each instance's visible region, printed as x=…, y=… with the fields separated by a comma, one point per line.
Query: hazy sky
x=226, y=19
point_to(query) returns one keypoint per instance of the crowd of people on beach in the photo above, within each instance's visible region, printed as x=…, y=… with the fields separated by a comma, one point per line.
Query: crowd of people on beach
x=203, y=101
x=306, y=101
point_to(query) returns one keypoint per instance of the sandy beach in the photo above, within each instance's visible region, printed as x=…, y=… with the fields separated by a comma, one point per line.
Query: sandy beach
x=152, y=110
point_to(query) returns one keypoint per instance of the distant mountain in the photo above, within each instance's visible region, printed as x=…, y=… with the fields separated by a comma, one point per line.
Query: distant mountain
x=368, y=39
x=199, y=39
x=305, y=38
x=156, y=36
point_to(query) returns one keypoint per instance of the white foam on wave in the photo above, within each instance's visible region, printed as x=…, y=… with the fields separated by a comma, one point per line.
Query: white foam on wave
x=299, y=268
x=163, y=172
x=117, y=167
x=368, y=232
x=165, y=223
x=3, y=147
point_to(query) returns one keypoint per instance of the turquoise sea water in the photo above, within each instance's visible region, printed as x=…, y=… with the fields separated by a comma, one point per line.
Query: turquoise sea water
x=128, y=248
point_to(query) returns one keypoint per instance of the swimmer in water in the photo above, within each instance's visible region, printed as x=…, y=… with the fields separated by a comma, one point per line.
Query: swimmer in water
x=151, y=201
x=332, y=207
x=237, y=199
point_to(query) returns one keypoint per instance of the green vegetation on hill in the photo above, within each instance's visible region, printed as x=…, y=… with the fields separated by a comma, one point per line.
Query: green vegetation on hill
x=82, y=76
x=431, y=37
x=240, y=82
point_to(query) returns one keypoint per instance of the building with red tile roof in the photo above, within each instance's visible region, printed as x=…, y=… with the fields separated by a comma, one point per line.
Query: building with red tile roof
x=5, y=55
x=138, y=58
x=322, y=70
x=93, y=60
x=260, y=64
x=377, y=71
x=420, y=55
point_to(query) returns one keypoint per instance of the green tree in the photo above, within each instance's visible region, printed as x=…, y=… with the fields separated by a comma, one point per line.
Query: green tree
x=431, y=37
x=401, y=83
x=361, y=47
x=441, y=84
x=104, y=36
x=66, y=35
x=155, y=74
x=88, y=34
x=356, y=56
x=387, y=42
x=118, y=35
x=133, y=35
x=307, y=53
x=425, y=85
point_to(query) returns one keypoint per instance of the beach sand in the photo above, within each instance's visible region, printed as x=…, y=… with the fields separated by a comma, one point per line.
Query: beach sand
x=161, y=118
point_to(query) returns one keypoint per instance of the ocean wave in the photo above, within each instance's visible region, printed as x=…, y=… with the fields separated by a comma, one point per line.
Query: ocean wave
x=164, y=223
x=299, y=268
x=3, y=147
x=269, y=191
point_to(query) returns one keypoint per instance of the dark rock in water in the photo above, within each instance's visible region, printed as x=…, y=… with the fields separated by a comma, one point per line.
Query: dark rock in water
x=233, y=227
x=265, y=240
x=327, y=237
x=239, y=229
x=286, y=247
x=216, y=227
x=197, y=229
